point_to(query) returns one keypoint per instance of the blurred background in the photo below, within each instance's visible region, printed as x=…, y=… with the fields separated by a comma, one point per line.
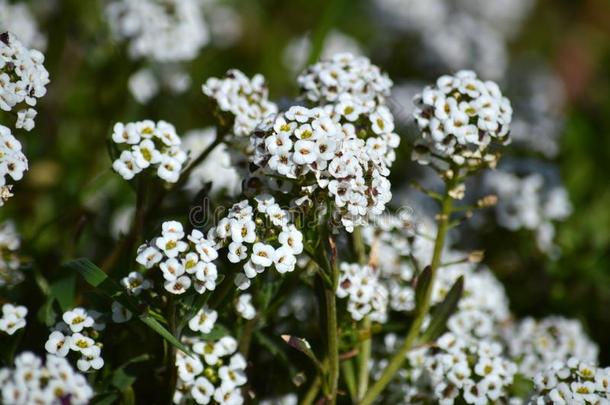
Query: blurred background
x=549, y=238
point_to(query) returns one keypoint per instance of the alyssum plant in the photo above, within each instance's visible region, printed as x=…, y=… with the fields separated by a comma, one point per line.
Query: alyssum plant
x=372, y=306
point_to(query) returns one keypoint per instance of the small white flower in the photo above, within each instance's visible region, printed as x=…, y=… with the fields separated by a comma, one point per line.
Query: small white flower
x=284, y=259
x=262, y=254
x=58, y=344
x=178, y=285
x=171, y=245
x=204, y=320
x=148, y=256
x=237, y=252
x=305, y=152
x=77, y=319
x=120, y=314
x=244, y=307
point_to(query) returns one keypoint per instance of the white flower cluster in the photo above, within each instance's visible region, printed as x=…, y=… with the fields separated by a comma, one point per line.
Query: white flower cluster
x=217, y=168
x=529, y=202
x=10, y=262
x=151, y=145
x=214, y=375
x=535, y=345
x=247, y=233
x=53, y=383
x=78, y=332
x=164, y=31
x=572, y=382
x=245, y=100
x=366, y=295
x=457, y=370
x=325, y=144
x=459, y=118
x=18, y=19
x=23, y=79
x=13, y=162
x=13, y=318
x=348, y=78
x=183, y=262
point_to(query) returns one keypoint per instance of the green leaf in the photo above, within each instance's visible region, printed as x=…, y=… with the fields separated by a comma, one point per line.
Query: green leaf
x=423, y=283
x=157, y=327
x=63, y=290
x=97, y=278
x=303, y=346
x=443, y=311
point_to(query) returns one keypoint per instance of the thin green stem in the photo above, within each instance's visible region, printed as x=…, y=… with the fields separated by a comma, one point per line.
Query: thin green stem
x=312, y=392
x=347, y=371
x=170, y=360
x=332, y=344
x=420, y=313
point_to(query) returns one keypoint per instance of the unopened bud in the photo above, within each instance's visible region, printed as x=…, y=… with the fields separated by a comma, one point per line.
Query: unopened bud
x=476, y=256
x=487, y=201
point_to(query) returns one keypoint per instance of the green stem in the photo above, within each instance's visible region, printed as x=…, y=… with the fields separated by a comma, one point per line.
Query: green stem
x=172, y=372
x=420, y=313
x=312, y=392
x=332, y=344
x=347, y=371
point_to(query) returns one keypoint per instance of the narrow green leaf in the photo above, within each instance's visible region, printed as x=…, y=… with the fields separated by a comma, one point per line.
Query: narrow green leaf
x=157, y=327
x=443, y=311
x=303, y=346
x=97, y=278
x=423, y=282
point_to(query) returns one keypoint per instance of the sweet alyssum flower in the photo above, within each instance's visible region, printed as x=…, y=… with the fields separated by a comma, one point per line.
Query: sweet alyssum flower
x=54, y=382
x=365, y=293
x=244, y=101
x=169, y=31
x=77, y=332
x=456, y=370
x=18, y=19
x=538, y=344
x=572, y=382
x=23, y=79
x=13, y=318
x=460, y=118
x=204, y=320
x=10, y=262
x=215, y=375
x=329, y=81
x=13, y=162
x=148, y=145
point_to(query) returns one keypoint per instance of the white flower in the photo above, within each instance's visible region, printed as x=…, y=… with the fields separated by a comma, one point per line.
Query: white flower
x=120, y=314
x=91, y=359
x=80, y=342
x=58, y=344
x=202, y=390
x=126, y=165
x=25, y=119
x=135, y=282
x=13, y=318
x=262, y=254
x=284, y=259
x=171, y=245
x=148, y=256
x=77, y=319
x=179, y=285
x=204, y=320
x=305, y=152
x=292, y=239
x=237, y=252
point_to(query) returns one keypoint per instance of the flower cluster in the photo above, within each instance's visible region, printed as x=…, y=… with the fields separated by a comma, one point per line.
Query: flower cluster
x=346, y=78
x=10, y=262
x=32, y=382
x=185, y=261
x=535, y=345
x=572, y=382
x=13, y=162
x=323, y=150
x=365, y=293
x=23, y=79
x=457, y=370
x=529, y=202
x=78, y=332
x=459, y=118
x=245, y=101
x=216, y=373
x=151, y=145
x=165, y=31
x=262, y=236
x=13, y=318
